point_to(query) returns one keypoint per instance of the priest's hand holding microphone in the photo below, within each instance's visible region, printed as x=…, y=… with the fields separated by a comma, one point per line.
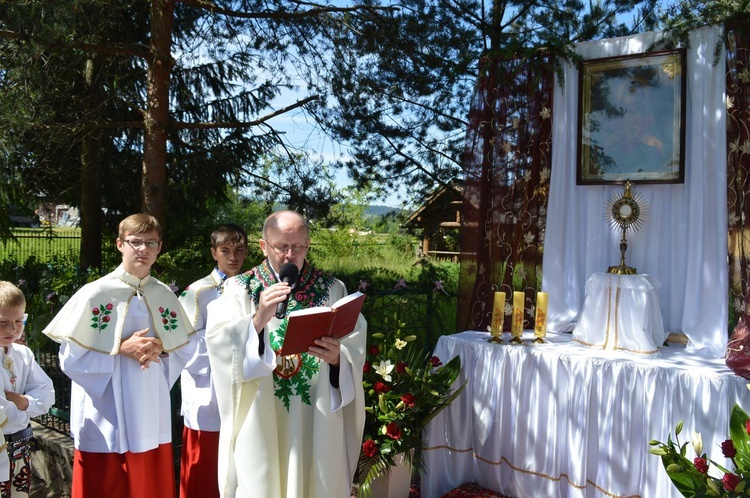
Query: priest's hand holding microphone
x=274, y=301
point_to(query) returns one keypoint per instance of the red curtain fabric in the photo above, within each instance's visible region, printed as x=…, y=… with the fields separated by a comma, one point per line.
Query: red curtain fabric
x=507, y=169
x=738, y=161
x=737, y=36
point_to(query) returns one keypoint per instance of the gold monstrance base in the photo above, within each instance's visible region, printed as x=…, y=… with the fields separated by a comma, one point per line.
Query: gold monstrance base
x=622, y=268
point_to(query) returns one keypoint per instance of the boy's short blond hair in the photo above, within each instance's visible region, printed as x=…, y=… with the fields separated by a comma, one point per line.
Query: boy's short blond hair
x=138, y=223
x=11, y=296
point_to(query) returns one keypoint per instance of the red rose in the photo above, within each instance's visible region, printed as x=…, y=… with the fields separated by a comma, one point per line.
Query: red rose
x=105, y=319
x=700, y=465
x=374, y=350
x=95, y=311
x=435, y=361
x=161, y=310
x=730, y=481
x=381, y=387
x=747, y=426
x=173, y=314
x=727, y=447
x=366, y=367
x=393, y=431
x=400, y=367
x=164, y=321
x=409, y=399
x=109, y=306
x=370, y=448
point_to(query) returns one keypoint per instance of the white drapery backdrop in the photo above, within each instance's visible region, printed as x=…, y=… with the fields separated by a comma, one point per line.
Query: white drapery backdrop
x=683, y=242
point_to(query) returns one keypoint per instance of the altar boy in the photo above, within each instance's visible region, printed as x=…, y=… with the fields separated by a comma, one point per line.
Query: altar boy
x=124, y=341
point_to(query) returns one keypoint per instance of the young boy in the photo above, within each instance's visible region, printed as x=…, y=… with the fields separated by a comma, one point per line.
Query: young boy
x=200, y=435
x=124, y=341
x=28, y=391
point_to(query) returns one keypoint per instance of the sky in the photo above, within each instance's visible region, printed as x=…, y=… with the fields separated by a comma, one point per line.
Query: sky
x=301, y=132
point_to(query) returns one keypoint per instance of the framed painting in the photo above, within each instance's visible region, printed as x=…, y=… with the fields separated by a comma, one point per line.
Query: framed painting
x=631, y=119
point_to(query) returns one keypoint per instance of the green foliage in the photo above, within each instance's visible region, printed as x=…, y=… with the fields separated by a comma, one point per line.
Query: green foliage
x=402, y=108
x=405, y=387
x=693, y=478
x=684, y=16
x=185, y=265
x=47, y=286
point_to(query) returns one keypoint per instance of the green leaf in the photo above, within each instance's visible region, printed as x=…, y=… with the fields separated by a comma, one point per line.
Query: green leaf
x=678, y=429
x=738, y=434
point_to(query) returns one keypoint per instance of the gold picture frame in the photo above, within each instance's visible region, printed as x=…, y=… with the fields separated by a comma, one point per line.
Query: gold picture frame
x=631, y=119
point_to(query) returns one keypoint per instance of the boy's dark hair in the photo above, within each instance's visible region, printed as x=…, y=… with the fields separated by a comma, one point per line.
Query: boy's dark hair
x=228, y=233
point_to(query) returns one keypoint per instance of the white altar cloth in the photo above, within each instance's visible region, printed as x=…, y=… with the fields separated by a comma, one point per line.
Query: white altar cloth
x=621, y=312
x=564, y=420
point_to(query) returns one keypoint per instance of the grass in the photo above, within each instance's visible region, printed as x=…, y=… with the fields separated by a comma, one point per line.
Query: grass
x=44, y=243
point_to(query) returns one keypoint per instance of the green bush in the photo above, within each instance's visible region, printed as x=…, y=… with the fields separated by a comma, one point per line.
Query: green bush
x=46, y=286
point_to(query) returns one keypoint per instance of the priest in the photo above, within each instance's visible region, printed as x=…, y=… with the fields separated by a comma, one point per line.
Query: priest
x=291, y=426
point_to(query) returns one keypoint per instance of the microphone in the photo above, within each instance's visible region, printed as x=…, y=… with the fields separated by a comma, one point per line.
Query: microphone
x=288, y=273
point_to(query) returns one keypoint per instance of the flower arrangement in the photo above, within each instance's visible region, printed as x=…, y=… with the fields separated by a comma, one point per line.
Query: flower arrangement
x=405, y=387
x=692, y=478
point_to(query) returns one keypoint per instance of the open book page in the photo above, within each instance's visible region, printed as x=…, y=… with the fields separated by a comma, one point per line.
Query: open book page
x=338, y=320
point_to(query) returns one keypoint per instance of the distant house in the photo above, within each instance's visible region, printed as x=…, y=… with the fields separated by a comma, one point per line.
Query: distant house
x=437, y=222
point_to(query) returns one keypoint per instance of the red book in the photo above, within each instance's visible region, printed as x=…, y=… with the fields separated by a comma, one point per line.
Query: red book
x=337, y=320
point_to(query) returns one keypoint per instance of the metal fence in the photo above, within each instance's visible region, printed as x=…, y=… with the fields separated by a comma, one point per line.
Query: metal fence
x=41, y=243
x=58, y=417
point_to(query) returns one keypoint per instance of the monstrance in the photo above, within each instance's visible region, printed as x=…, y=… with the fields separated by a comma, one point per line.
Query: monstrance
x=626, y=212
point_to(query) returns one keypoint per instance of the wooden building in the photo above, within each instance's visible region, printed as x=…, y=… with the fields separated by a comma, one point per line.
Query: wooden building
x=437, y=222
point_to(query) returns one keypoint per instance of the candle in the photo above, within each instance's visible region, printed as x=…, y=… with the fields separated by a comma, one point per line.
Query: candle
x=498, y=314
x=540, y=327
x=517, y=325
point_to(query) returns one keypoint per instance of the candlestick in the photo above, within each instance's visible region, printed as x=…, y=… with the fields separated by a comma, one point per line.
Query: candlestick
x=498, y=318
x=516, y=329
x=540, y=326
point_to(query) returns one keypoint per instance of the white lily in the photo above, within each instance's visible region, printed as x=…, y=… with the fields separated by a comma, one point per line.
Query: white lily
x=400, y=344
x=384, y=369
x=697, y=443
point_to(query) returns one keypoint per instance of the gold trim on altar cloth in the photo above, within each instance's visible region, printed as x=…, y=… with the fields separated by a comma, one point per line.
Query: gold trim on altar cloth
x=505, y=461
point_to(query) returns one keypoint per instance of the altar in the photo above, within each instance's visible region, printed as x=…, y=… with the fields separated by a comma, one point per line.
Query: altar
x=564, y=420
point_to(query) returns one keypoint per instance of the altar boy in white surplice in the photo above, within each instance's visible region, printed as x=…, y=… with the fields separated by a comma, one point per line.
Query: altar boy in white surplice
x=200, y=412
x=124, y=341
x=27, y=392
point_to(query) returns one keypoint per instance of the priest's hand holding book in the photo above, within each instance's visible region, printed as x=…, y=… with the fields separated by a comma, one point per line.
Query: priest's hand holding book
x=325, y=347
x=311, y=329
